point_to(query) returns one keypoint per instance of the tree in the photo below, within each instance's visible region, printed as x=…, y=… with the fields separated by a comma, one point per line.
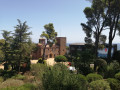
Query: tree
x=96, y=16
x=6, y=46
x=2, y=42
x=50, y=35
x=82, y=61
x=113, y=18
x=21, y=42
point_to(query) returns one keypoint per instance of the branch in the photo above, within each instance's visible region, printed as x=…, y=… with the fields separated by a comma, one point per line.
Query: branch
x=115, y=27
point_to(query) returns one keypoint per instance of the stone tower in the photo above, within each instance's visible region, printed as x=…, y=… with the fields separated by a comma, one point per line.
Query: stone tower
x=61, y=42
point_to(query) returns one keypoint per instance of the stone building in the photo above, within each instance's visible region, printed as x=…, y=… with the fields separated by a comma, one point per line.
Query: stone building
x=50, y=52
x=76, y=47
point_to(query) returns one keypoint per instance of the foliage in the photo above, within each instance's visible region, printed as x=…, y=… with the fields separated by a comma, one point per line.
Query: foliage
x=84, y=69
x=82, y=61
x=100, y=66
x=50, y=35
x=99, y=85
x=60, y=58
x=52, y=80
x=23, y=87
x=113, y=18
x=1, y=79
x=93, y=77
x=6, y=45
x=114, y=83
x=21, y=42
x=117, y=76
x=19, y=77
x=75, y=82
x=95, y=23
x=59, y=78
x=11, y=83
x=60, y=66
x=38, y=70
x=40, y=60
x=7, y=74
x=112, y=69
x=2, y=55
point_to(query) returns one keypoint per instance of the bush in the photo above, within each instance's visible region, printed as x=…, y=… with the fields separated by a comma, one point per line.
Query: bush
x=75, y=82
x=1, y=79
x=37, y=70
x=44, y=61
x=7, y=74
x=40, y=60
x=52, y=80
x=59, y=66
x=19, y=77
x=114, y=83
x=60, y=58
x=93, y=77
x=85, y=70
x=99, y=85
x=59, y=78
x=112, y=69
x=10, y=83
x=117, y=76
x=23, y=87
x=100, y=66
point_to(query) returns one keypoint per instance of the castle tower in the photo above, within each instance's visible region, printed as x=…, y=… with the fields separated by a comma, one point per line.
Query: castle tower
x=42, y=41
x=61, y=42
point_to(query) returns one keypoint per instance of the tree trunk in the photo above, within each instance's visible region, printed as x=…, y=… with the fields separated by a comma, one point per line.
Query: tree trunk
x=96, y=45
x=110, y=46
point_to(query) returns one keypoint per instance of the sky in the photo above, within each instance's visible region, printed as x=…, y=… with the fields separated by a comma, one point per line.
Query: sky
x=66, y=15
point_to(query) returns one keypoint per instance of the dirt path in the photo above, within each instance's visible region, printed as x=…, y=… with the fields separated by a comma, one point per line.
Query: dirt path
x=49, y=61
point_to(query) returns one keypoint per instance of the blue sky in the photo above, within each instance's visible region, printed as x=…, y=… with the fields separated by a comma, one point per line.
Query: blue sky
x=66, y=15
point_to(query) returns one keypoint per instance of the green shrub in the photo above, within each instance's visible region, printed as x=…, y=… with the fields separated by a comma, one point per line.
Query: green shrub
x=38, y=70
x=23, y=87
x=40, y=60
x=1, y=79
x=117, y=76
x=59, y=78
x=112, y=69
x=60, y=58
x=93, y=77
x=19, y=77
x=75, y=82
x=114, y=83
x=1, y=71
x=7, y=74
x=85, y=70
x=99, y=85
x=100, y=66
x=59, y=66
x=52, y=80
x=44, y=61
x=11, y=82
